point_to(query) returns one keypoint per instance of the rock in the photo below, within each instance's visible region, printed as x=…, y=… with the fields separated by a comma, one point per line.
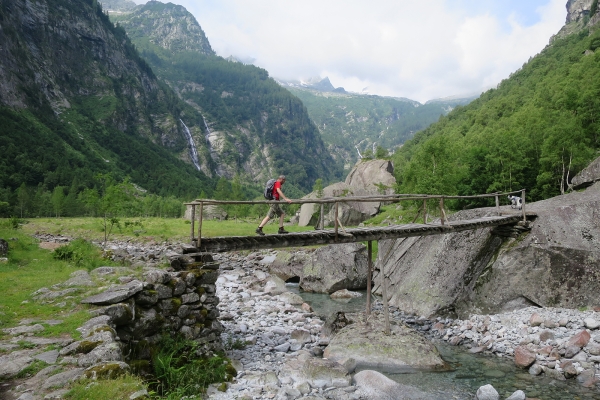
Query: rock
x=518, y=395
x=208, y=212
x=24, y=329
x=402, y=351
x=376, y=386
x=487, y=392
x=49, y=357
x=116, y=294
x=345, y=294
x=569, y=370
x=580, y=339
x=335, y=267
x=291, y=298
x=274, y=286
x=13, y=363
x=63, y=378
x=3, y=248
x=460, y=269
x=587, y=176
x=334, y=322
x=101, y=354
x=106, y=370
x=318, y=372
x=79, y=278
x=301, y=336
x=571, y=351
x=535, y=369
x=591, y=323
x=524, y=357
x=535, y=320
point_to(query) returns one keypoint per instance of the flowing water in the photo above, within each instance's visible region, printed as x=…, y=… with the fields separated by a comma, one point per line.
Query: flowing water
x=193, y=151
x=469, y=371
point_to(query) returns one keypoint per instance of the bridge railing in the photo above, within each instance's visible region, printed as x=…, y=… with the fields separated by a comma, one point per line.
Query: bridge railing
x=392, y=198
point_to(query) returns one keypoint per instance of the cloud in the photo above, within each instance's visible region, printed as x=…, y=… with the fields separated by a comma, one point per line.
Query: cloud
x=419, y=50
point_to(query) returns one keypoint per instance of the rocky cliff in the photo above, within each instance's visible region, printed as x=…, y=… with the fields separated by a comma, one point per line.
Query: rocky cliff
x=250, y=126
x=580, y=14
x=555, y=264
x=74, y=88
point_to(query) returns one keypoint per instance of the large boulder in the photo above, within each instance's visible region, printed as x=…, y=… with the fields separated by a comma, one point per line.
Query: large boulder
x=374, y=385
x=404, y=350
x=482, y=271
x=587, y=176
x=367, y=178
x=208, y=212
x=327, y=269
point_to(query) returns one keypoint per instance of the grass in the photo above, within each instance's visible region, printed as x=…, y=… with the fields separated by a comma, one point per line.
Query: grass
x=120, y=388
x=180, y=373
x=175, y=230
x=30, y=268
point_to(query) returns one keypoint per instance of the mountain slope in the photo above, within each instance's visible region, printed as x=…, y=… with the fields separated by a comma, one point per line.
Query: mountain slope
x=351, y=123
x=76, y=100
x=252, y=127
x=535, y=131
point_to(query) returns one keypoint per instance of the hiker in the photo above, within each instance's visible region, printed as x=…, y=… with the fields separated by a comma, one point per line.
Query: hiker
x=275, y=209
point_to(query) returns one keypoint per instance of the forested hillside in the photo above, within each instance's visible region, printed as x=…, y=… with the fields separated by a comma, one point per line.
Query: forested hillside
x=349, y=121
x=76, y=101
x=254, y=128
x=535, y=131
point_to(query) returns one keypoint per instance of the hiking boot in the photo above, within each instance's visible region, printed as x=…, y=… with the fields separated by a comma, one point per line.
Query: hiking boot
x=259, y=231
x=282, y=231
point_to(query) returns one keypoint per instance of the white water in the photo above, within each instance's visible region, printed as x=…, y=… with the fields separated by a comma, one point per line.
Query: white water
x=193, y=151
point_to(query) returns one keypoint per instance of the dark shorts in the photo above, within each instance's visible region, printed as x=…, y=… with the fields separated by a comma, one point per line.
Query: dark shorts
x=275, y=211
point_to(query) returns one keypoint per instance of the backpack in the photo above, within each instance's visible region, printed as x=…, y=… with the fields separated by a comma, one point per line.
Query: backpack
x=269, y=189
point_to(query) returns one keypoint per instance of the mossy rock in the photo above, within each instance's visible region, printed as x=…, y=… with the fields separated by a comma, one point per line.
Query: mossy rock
x=85, y=346
x=108, y=370
x=140, y=366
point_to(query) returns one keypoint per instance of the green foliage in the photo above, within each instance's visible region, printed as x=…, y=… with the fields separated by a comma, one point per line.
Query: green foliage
x=32, y=369
x=180, y=372
x=318, y=188
x=535, y=131
x=80, y=253
x=346, y=120
x=119, y=388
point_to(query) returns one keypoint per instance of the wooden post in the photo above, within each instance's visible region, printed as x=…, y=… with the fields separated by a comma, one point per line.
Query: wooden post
x=386, y=305
x=193, y=219
x=523, y=204
x=369, y=273
x=442, y=210
x=322, y=217
x=425, y=211
x=200, y=225
x=336, y=221
x=497, y=205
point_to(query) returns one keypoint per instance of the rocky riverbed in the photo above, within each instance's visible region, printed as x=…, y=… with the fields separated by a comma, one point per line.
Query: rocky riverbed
x=276, y=341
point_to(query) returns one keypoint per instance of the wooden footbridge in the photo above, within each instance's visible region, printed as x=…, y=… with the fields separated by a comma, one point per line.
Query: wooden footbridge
x=202, y=245
x=338, y=234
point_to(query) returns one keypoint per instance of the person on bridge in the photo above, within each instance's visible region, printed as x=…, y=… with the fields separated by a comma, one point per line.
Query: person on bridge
x=275, y=209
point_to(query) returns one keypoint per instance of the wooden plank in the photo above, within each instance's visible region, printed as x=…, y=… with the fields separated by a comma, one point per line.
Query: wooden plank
x=311, y=238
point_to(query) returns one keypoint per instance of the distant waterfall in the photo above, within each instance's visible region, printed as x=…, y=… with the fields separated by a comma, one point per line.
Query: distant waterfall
x=207, y=132
x=193, y=152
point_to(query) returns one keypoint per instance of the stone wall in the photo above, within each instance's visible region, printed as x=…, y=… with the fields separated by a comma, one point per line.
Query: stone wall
x=134, y=316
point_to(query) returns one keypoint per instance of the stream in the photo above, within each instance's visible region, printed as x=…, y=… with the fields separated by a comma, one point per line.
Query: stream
x=469, y=371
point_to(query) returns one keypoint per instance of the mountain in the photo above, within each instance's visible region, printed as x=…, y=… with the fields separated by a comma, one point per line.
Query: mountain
x=352, y=123
x=535, y=131
x=252, y=127
x=76, y=99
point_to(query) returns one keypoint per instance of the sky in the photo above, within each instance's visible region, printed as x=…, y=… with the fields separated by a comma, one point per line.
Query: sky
x=420, y=50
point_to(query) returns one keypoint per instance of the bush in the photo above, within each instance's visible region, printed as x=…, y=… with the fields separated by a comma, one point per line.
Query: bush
x=79, y=252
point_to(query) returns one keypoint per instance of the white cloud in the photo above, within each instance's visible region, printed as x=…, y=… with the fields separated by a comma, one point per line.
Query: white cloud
x=420, y=50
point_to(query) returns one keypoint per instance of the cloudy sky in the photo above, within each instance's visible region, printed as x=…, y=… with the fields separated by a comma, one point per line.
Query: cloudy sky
x=421, y=50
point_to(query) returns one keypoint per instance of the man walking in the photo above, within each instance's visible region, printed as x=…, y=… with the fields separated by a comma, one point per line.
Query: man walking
x=275, y=209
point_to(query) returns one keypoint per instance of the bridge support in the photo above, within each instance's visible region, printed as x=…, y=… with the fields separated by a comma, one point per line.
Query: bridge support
x=369, y=275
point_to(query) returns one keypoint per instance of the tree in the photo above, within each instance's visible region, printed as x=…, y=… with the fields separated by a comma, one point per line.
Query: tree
x=23, y=198
x=58, y=200
x=318, y=188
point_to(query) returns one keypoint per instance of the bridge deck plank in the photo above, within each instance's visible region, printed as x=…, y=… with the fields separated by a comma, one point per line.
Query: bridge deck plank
x=327, y=236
